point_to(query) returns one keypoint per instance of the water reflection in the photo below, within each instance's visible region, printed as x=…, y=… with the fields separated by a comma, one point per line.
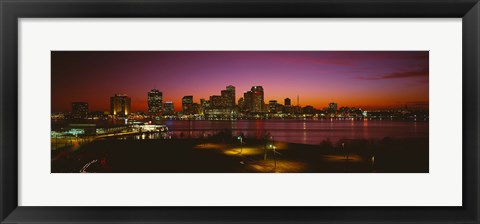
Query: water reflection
x=145, y=136
x=298, y=131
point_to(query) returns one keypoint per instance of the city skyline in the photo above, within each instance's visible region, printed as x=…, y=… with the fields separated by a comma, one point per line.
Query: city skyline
x=355, y=79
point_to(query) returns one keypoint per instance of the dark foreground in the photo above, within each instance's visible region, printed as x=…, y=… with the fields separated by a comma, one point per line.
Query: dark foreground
x=227, y=156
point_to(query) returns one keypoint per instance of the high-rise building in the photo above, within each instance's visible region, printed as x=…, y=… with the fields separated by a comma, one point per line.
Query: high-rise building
x=168, y=108
x=288, y=106
x=258, y=101
x=230, y=95
x=120, y=105
x=287, y=102
x=272, y=106
x=187, y=102
x=155, y=102
x=241, y=103
x=203, y=101
x=217, y=101
x=79, y=109
x=247, y=101
x=332, y=107
x=195, y=109
x=204, y=104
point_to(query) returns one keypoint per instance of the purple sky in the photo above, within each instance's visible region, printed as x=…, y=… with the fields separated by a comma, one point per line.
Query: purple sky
x=374, y=79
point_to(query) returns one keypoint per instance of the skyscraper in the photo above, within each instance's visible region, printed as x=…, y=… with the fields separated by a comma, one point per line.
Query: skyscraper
x=241, y=104
x=332, y=107
x=155, y=102
x=168, y=108
x=217, y=101
x=204, y=104
x=120, y=105
x=288, y=105
x=187, y=102
x=230, y=95
x=288, y=102
x=272, y=106
x=258, y=101
x=79, y=109
x=224, y=101
x=247, y=101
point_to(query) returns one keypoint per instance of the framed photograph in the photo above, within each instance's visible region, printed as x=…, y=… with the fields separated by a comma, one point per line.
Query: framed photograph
x=225, y=111
x=95, y=130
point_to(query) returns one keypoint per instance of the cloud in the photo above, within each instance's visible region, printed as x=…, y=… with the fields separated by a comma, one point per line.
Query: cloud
x=398, y=75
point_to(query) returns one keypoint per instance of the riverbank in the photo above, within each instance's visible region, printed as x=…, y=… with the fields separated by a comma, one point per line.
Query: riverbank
x=220, y=155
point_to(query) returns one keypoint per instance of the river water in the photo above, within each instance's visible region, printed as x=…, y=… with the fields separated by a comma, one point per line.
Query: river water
x=307, y=131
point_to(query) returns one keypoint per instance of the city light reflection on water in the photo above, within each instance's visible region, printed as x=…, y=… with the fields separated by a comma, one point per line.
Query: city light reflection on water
x=145, y=136
x=295, y=131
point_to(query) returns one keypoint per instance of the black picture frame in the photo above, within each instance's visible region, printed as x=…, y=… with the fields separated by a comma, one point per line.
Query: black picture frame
x=12, y=10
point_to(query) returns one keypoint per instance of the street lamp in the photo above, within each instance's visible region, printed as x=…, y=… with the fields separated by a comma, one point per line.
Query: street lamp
x=373, y=163
x=274, y=157
x=241, y=143
x=345, y=152
x=270, y=145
